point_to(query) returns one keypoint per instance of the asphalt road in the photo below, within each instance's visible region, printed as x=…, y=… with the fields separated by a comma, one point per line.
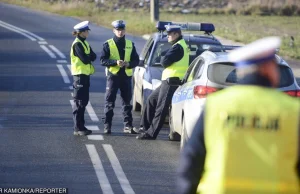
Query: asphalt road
x=38, y=148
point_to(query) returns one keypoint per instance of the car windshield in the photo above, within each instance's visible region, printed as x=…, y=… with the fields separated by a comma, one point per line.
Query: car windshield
x=196, y=49
x=225, y=74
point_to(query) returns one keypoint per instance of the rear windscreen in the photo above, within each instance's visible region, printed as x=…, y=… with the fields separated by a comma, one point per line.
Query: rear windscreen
x=225, y=74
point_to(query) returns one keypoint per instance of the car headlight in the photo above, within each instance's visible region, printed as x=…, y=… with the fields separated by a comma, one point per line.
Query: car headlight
x=155, y=83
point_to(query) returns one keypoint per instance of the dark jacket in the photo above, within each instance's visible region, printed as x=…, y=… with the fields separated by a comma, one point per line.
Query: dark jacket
x=105, y=54
x=78, y=51
x=193, y=155
x=174, y=54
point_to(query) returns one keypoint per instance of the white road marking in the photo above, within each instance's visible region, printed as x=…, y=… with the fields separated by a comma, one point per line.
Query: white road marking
x=63, y=74
x=69, y=66
x=9, y=28
x=95, y=137
x=50, y=53
x=43, y=42
x=21, y=30
x=91, y=112
x=102, y=178
x=62, y=61
x=93, y=127
x=118, y=169
x=60, y=54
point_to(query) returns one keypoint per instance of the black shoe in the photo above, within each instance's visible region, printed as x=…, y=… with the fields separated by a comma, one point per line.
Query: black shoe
x=107, y=129
x=82, y=132
x=144, y=136
x=130, y=129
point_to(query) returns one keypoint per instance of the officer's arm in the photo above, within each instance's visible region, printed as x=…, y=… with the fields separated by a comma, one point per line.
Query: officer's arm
x=134, y=58
x=104, y=57
x=173, y=55
x=192, y=160
x=78, y=51
x=93, y=55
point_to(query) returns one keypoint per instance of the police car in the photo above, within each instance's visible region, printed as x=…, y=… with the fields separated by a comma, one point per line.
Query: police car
x=147, y=76
x=208, y=73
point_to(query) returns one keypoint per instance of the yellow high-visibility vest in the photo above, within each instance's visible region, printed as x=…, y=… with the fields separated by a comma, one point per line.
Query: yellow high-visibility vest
x=77, y=66
x=114, y=55
x=178, y=68
x=251, y=139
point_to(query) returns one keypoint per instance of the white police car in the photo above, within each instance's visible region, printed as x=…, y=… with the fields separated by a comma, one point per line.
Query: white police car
x=147, y=76
x=208, y=73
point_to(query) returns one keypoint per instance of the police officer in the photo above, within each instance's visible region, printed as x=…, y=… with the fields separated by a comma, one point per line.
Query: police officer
x=82, y=56
x=246, y=140
x=175, y=62
x=119, y=56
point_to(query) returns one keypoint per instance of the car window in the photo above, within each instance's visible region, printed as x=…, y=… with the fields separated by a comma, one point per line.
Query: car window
x=191, y=67
x=222, y=73
x=194, y=72
x=160, y=50
x=286, y=76
x=148, y=54
x=146, y=49
x=225, y=74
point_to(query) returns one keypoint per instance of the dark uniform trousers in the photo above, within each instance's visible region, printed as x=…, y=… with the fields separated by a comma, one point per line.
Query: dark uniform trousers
x=157, y=107
x=113, y=84
x=81, y=87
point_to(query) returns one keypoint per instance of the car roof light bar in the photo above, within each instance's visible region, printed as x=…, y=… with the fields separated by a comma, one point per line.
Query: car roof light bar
x=189, y=26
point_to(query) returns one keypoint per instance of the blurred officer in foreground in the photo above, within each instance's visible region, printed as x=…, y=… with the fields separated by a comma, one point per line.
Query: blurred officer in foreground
x=119, y=56
x=175, y=62
x=246, y=140
x=82, y=56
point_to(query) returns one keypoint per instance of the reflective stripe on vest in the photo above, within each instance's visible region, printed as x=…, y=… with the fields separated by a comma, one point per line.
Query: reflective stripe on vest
x=251, y=138
x=114, y=55
x=178, y=68
x=77, y=66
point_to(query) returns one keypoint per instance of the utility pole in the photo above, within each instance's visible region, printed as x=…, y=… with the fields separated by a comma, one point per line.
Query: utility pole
x=154, y=10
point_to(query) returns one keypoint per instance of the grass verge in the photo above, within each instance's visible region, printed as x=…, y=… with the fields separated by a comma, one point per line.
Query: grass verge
x=239, y=28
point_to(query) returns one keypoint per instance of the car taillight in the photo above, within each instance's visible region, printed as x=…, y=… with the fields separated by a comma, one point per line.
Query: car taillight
x=295, y=93
x=202, y=91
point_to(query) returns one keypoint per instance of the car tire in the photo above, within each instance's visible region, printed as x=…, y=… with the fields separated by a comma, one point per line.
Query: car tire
x=183, y=135
x=173, y=136
x=135, y=105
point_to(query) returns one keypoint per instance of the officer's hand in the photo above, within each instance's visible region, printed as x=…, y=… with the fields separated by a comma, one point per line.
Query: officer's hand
x=126, y=64
x=120, y=63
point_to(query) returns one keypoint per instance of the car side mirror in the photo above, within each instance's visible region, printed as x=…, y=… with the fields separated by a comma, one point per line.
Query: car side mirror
x=141, y=63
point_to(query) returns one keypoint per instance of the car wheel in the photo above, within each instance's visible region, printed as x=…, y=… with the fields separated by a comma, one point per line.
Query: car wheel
x=183, y=135
x=135, y=105
x=173, y=136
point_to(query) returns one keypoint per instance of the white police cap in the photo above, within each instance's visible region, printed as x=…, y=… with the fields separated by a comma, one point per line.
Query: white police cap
x=172, y=28
x=256, y=52
x=82, y=26
x=118, y=24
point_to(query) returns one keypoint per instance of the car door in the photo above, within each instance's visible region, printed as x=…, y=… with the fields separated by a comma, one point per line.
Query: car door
x=142, y=68
x=181, y=94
